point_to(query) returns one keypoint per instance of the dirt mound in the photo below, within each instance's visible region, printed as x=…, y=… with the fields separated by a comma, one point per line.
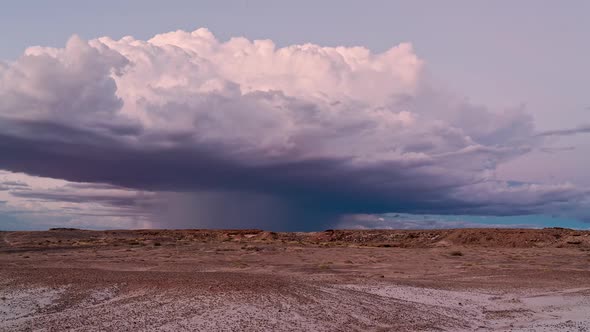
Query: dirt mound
x=503, y=238
x=492, y=237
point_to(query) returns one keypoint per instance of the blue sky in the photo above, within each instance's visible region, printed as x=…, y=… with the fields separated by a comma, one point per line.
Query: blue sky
x=501, y=54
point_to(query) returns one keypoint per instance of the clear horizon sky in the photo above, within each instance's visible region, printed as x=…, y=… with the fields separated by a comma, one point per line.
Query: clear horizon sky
x=526, y=63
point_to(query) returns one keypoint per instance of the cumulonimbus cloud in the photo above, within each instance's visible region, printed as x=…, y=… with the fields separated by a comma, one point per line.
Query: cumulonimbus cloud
x=329, y=130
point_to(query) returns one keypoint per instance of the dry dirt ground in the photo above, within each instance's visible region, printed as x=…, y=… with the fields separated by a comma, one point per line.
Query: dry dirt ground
x=251, y=280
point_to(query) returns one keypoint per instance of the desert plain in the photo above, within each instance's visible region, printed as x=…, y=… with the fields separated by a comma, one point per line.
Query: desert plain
x=334, y=280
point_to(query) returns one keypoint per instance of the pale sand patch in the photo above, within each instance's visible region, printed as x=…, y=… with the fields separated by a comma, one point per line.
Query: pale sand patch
x=566, y=310
x=380, y=306
x=19, y=304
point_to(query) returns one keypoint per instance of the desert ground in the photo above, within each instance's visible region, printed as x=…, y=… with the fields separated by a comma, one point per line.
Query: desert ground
x=335, y=280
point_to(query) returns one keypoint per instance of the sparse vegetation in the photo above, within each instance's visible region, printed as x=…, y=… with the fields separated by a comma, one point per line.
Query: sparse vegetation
x=251, y=248
x=240, y=265
x=456, y=253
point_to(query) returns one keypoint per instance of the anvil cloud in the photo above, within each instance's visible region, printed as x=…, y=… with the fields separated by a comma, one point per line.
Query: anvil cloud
x=318, y=132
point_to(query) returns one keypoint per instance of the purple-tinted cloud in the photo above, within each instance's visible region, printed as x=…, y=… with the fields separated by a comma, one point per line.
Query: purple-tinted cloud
x=582, y=129
x=319, y=131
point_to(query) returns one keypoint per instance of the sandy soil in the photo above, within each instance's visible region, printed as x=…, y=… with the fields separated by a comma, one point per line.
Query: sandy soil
x=449, y=280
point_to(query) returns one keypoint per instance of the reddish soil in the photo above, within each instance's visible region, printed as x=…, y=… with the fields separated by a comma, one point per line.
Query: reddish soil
x=336, y=280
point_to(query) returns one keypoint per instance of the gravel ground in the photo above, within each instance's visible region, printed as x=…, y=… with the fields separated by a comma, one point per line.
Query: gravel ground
x=246, y=284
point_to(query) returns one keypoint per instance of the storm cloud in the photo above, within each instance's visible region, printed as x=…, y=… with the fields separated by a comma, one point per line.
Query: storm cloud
x=304, y=133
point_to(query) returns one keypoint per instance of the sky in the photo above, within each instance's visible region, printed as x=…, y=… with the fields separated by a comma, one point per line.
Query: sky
x=294, y=116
